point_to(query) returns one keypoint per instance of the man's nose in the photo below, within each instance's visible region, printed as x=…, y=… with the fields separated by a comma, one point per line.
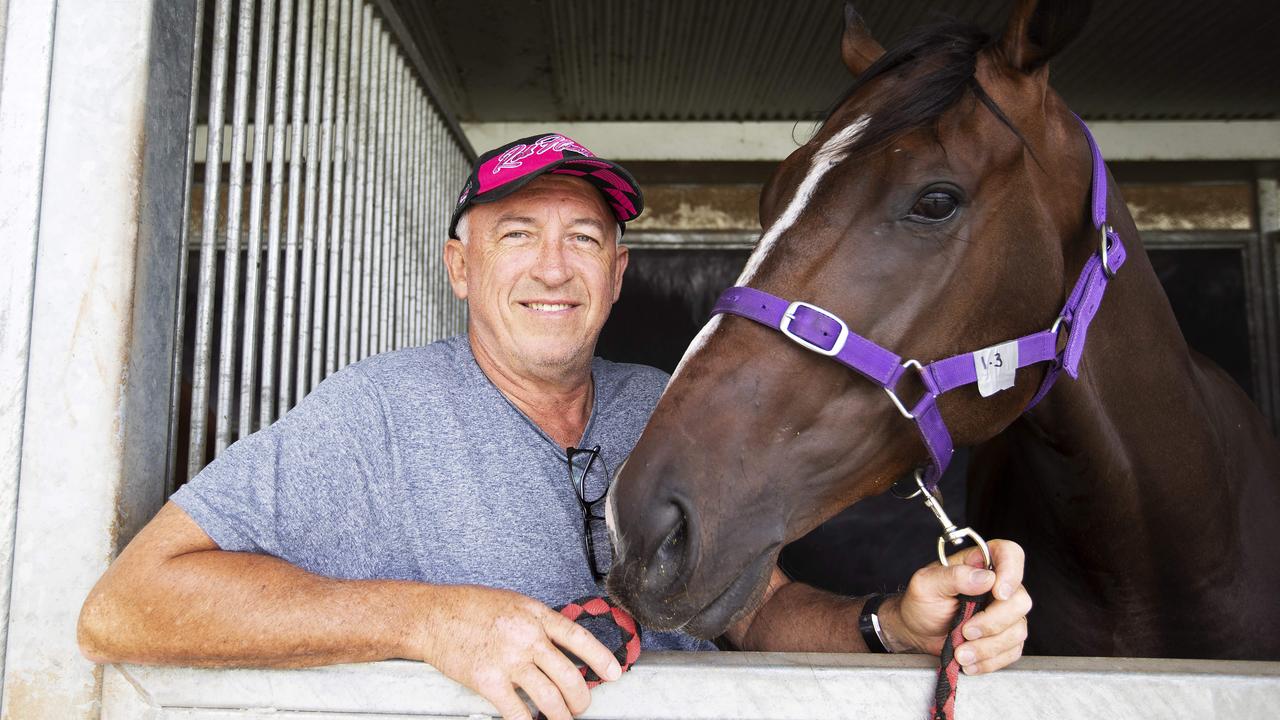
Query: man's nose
x=552, y=267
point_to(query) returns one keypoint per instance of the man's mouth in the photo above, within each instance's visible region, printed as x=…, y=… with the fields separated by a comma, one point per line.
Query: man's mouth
x=549, y=307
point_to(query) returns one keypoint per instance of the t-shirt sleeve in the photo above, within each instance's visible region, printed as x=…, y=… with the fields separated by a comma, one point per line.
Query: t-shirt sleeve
x=293, y=475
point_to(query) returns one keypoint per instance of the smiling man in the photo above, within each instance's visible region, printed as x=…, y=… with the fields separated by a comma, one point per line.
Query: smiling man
x=436, y=503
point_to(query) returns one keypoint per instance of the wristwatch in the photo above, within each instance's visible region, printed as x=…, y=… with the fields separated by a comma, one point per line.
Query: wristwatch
x=869, y=624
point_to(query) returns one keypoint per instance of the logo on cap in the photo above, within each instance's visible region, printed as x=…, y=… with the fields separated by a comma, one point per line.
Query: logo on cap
x=514, y=157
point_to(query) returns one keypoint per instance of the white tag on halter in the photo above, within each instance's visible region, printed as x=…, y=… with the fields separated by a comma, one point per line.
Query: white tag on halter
x=996, y=367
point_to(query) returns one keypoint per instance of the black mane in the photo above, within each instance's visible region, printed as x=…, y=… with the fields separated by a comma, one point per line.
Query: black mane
x=949, y=50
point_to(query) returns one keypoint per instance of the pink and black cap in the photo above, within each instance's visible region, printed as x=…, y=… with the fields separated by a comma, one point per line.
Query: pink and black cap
x=502, y=171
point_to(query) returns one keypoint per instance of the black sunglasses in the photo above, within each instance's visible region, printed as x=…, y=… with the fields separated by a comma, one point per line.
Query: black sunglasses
x=591, y=484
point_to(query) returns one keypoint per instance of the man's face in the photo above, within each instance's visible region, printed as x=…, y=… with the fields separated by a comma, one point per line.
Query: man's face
x=540, y=270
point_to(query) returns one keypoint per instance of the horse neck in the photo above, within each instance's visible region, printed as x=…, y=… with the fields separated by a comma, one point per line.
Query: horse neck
x=1135, y=430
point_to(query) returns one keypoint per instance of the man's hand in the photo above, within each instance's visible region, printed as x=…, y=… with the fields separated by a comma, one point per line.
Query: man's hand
x=920, y=619
x=494, y=641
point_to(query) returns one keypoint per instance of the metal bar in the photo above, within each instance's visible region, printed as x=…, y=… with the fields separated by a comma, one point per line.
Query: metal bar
x=253, y=259
x=231, y=254
x=369, y=187
x=309, y=219
x=339, y=278
x=323, y=224
x=208, y=237
x=349, y=63
x=415, y=164
x=289, y=319
x=397, y=208
x=410, y=255
x=379, y=188
x=436, y=158
x=271, y=293
x=363, y=198
x=184, y=237
x=390, y=10
x=433, y=231
x=388, y=197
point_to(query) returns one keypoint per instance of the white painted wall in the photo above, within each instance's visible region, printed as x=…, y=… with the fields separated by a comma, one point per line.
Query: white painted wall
x=773, y=141
x=24, y=89
x=72, y=441
x=4, y=24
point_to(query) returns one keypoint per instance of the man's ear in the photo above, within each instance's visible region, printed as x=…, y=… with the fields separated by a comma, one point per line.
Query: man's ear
x=857, y=47
x=1040, y=29
x=620, y=267
x=455, y=261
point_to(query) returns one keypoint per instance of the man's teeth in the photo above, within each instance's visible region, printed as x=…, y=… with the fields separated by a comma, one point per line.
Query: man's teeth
x=549, y=307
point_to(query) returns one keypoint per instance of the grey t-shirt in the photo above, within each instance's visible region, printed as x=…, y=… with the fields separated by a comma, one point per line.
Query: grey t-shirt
x=412, y=465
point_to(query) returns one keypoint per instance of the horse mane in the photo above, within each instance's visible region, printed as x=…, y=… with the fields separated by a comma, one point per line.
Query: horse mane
x=947, y=52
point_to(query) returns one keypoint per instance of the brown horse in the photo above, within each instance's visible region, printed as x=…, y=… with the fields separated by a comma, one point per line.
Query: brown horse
x=944, y=207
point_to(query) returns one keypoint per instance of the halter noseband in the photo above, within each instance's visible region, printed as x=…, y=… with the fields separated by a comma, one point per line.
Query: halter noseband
x=823, y=332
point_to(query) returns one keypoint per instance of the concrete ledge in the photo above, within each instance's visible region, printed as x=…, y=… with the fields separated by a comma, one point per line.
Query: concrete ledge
x=761, y=686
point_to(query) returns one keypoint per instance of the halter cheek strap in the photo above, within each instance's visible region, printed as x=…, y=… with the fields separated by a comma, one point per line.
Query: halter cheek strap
x=825, y=333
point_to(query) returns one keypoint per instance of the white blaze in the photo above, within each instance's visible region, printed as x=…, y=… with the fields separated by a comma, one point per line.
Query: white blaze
x=834, y=150
x=828, y=156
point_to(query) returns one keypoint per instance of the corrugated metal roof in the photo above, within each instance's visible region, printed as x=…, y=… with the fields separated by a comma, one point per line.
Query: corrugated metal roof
x=525, y=60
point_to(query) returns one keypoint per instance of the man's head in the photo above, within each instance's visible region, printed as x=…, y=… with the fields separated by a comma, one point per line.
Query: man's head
x=540, y=263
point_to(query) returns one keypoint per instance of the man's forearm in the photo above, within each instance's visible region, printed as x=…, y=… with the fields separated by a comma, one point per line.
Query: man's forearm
x=802, y=618
x=215, y=608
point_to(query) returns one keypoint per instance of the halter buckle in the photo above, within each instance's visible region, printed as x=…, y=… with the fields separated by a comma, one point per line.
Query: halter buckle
x=1104, y=247
x=897, y=402
x=790, y=314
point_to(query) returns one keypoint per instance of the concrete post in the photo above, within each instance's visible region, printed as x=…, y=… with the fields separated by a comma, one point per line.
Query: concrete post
x=101, y=322
x=24, y=94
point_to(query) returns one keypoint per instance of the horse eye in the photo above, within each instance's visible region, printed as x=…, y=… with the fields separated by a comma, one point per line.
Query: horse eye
x=934, y=206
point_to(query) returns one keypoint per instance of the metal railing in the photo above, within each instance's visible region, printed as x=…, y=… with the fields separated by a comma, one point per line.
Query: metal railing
x=324, y=244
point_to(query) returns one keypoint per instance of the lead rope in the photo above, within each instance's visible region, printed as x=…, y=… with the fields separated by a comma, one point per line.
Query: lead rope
x=944, y=692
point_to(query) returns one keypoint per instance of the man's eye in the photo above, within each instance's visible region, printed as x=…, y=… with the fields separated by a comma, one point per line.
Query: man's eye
x=586, y=239
x=515, y=235
x=934, y=206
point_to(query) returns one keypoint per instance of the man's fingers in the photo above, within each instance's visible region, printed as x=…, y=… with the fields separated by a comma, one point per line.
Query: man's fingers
x=1002, y=660
x=579, y=641
x=504, y=699
x=1008, y=559
x=566, y=676
x=957, y=578
x=542, y=692
x=976, y=651
x=999, y=616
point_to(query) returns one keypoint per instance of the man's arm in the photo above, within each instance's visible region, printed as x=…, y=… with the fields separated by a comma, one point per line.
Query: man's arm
x=172, y=597
x=797, y=617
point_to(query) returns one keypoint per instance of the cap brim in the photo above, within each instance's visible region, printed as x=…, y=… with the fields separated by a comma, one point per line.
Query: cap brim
x=620, y=191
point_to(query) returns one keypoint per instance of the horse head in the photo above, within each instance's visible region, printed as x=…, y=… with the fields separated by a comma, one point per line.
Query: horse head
x=941, y=207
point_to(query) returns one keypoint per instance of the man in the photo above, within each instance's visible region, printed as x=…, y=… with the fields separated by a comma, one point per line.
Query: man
x=419, y=504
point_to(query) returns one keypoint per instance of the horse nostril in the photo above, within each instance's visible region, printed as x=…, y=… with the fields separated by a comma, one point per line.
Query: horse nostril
x=671, y=556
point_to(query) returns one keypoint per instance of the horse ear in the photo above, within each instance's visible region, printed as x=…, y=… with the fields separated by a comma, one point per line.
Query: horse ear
x=857, y=47
x=1039, y=29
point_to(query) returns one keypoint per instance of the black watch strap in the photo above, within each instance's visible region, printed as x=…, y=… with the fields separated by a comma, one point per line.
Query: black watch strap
x=869, y=623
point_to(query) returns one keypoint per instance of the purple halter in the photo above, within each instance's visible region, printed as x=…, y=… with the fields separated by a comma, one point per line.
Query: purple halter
x=823, y=332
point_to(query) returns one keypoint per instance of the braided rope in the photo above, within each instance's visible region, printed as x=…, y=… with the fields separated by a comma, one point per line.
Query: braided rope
x=944, y=694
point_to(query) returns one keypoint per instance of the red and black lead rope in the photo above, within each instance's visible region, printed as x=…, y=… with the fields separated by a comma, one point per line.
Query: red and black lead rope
x=627, y=651
x=944, y=693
